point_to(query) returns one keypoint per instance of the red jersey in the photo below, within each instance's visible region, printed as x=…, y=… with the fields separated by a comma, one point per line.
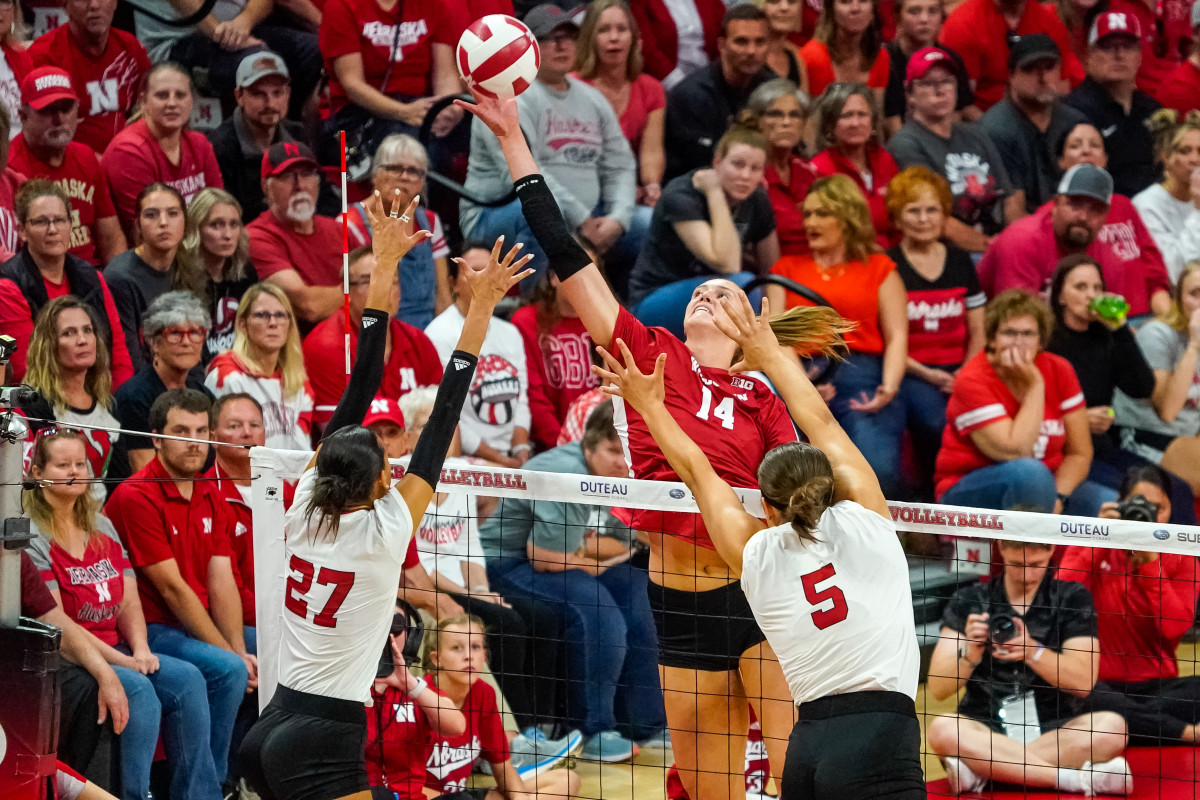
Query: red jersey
x=786, y=202
x=819, y=65
x=559, y=361
x=316, y=256
x=448, y=766
x=1166, y=38
x=81, y=178
x=91, y=587
x=241, y=539
x=10, y=242
x=412, y=362
x=134, y=159
x=398, y=743
x=735, y=418
x=980, y=398
x=157, y=523
x=977, y=31
x=362, y=27
x=1180, y=90
x=883, y=169
x=1143, y=611
x=107, y=86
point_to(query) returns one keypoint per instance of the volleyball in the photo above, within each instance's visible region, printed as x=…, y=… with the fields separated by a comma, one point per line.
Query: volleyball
x=498, y=56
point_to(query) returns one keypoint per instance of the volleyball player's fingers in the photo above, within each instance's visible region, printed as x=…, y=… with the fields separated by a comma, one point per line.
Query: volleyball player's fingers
x=507, y=260
x=614, y=373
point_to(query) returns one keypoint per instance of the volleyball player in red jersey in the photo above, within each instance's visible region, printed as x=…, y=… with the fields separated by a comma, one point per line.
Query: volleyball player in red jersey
x=712, y=655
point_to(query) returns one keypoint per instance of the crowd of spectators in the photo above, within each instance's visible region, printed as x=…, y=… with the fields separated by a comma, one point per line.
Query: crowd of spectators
x=963, y=181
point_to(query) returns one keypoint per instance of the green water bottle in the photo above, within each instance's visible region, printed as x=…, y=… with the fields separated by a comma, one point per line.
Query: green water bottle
x=1110, y=308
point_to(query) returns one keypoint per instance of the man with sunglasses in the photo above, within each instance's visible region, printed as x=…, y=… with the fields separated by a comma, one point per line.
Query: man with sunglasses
x=1109, y=98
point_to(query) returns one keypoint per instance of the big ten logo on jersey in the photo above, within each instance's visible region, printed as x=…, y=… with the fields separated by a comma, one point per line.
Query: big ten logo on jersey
x=495, y=390
x=569, y=361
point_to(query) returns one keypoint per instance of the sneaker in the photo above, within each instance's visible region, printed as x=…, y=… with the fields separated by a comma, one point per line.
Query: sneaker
x=532, y=754
x=608, y=747
x=1109, y=777
x=659, y=740
x=962, y=780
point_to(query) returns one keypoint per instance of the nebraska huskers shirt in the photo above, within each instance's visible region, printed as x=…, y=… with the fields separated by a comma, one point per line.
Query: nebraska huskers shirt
x=937, y=309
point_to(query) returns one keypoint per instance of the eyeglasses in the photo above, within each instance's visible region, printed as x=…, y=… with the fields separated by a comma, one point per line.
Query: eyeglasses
x=176, y=335
x=416, y=173
x=778, y=114
x=48, y=222
x=269, y=316
x=298, y=174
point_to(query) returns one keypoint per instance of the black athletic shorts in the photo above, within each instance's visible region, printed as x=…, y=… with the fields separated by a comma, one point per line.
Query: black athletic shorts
x=854, y=746
x=306, y=747
x=705, y=631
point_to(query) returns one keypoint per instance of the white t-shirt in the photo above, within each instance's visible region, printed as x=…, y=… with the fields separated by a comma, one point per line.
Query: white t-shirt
x=1173, y=224
x=838, y=611
x=340, y=595
x=448, y=535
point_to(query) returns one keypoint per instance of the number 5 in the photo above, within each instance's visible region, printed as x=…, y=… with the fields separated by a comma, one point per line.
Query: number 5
x=824, y=617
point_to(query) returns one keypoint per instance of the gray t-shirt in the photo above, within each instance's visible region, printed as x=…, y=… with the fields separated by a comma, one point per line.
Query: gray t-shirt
x=134, y=285
x=39, y=546
x=159, y=37
x=560, y=527
x=1163, y=347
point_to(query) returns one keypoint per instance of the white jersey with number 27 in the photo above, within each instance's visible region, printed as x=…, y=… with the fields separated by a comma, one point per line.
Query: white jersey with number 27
x=837, y=612
x=340, y=595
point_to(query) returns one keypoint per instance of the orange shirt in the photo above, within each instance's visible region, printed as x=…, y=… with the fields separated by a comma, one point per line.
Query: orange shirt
x=852, y=288
x=819, y=65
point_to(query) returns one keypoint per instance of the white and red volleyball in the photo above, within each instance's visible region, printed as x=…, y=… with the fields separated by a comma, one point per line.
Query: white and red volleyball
x=498, y=56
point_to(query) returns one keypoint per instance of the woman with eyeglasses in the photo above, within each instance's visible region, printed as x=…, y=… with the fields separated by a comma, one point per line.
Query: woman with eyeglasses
x=400, y=164
x=156, y=265
x=174, y=329
x=216, y=247
x=44, y=269
x=847, y=46
x=87, y=570
x=267, y=363
x=781, y=108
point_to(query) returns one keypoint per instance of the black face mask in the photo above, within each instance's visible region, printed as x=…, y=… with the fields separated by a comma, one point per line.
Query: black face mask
x=408, y=622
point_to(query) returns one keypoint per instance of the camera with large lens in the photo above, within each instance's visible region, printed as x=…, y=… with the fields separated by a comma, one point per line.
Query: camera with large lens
x=1137, y=508
x=1002, y=627
x=409, y=622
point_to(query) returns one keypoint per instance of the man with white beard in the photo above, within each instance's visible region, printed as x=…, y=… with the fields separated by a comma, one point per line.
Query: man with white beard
x=290, y=245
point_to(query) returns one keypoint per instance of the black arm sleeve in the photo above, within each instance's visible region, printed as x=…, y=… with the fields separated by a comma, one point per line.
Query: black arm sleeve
x=366, y=375
x=546, y=221
x=430, y=452
x=1133, y=375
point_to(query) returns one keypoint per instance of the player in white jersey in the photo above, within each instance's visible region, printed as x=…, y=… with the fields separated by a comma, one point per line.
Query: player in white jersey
x=825, y=576
x=345, y=538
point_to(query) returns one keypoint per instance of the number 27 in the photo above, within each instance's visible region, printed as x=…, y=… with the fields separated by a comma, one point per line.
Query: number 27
x=301, y=580
x=723, y=411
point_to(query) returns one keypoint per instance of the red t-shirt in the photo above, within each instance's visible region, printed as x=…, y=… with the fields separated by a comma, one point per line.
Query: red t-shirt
x=735, y=419
x=883, y=169
x=91, y=587
x=1180, y=89
x=787, y=201
x=448, y=766
x=241, y=539
x=819, y=65
x=852, y=288
x=82, y=179
x=1166, y=38
x=361, y=26
x=980, y=398
x=398, y=743
x=1143, y=271
x=413, y=362
x=17, y=321
x=10, y=242
x=107, y=86
x=937, y=309
x=976, y=30
x=157, y=523
x=134, y=159
x=1143, y=612
x=316, y=256
x=646, y=96
x=562, y=360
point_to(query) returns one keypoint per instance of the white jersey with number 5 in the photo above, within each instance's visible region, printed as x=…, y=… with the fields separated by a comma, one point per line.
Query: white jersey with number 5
x=340, y=595
x=838, y=612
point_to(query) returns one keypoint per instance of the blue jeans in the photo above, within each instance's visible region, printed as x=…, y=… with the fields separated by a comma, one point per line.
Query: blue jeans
x=175, y=694
x=879, y=436
x=1023, y=481
x=225, y=681
x=925, y=416
x=610, y=637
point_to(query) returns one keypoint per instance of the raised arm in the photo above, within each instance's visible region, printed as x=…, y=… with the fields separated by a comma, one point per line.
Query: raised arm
x=761, y=351
x=727, y=521
x=580, y=278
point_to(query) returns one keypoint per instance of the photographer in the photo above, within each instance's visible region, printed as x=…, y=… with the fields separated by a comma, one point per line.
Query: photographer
x=1024, y=646
x=1145, y=602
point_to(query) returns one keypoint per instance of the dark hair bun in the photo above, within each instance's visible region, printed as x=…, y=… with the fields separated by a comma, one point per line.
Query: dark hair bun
x=808, y=503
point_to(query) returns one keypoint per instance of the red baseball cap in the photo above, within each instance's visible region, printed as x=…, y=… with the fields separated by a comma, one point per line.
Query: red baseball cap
x=926, y=59
x=283, y=155
x=384, y=409
x=1115, y=23
x=46, y=85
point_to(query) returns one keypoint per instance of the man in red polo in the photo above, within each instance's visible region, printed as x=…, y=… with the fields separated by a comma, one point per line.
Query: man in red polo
x=46, y=148
x=177, y=530
x=411, y=359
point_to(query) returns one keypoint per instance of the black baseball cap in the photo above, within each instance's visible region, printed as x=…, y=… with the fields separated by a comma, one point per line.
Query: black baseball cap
x=1031, y=48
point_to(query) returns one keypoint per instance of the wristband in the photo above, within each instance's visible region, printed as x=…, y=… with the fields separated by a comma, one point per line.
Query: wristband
x=418, y=689
x=480, y=590
x=521, y=448
x=545, y=220
x=1037, y=654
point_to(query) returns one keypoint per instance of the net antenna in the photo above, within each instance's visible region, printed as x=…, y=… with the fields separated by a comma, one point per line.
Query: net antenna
x=345, y=253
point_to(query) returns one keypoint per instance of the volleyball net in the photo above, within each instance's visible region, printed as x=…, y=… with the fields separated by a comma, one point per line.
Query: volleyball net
x=1138, y=711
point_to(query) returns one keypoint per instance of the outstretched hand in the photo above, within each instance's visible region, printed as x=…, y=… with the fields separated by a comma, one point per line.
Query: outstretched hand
x=735, y=318
x=640, y=390
x=501, y=116
x=392, y=235
x=491, y=284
